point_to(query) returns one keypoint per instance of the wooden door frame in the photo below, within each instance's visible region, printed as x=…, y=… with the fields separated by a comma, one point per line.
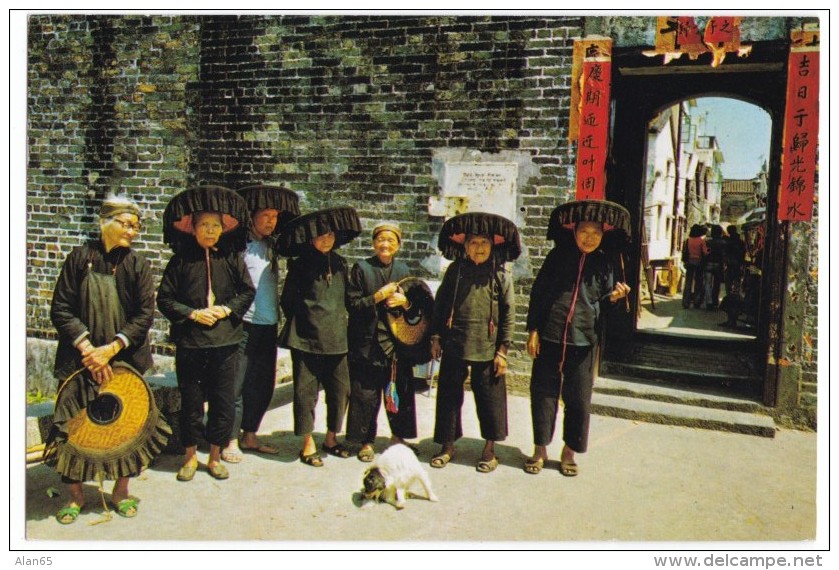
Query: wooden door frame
x=641, y=87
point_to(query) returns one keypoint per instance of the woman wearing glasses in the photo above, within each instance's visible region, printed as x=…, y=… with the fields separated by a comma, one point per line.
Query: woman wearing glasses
x=102, y=308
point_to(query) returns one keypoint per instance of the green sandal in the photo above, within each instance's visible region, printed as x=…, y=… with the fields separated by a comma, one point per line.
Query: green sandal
x=72, y=511
x=127, y=508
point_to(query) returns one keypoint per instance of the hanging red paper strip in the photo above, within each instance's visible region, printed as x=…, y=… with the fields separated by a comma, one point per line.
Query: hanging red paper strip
x=801, y=130
x=679, y=35
x=592, y=142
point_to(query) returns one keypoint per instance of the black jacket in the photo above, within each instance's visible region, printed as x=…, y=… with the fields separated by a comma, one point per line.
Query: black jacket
x=552, y=295
x=368, y=276
x=314, y=303
x=135, y=288
x=473, y=296
x=184, y=289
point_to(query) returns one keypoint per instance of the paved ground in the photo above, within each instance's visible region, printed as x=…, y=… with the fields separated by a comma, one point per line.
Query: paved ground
x=670, y=318
x=638, y=483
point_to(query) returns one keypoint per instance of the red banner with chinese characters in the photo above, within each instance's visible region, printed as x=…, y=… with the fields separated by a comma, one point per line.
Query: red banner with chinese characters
x=801, y=130
x=593, y=119
x=679, y=35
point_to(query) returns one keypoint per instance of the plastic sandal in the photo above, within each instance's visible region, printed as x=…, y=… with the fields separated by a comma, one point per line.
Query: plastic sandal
x=312, y=459
x=534, y=467
x=127, y=508
x=72, y=511
x=336, y=450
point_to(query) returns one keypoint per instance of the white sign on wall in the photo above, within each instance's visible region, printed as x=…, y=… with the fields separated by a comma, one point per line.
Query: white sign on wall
x=477, y=187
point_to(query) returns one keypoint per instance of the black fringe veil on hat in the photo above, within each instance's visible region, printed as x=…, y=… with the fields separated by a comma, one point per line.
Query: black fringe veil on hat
x=300, y=231
x=177, y=217
x=504, y=233
x=263, y=196
x=617, y=227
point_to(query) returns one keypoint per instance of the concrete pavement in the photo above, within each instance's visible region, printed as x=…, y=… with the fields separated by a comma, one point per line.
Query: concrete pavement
x=638, y=482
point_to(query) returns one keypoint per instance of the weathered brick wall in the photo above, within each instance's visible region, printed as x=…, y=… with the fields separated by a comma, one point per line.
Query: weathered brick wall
x=343, y=110
x=349, y=110
x=108, y=111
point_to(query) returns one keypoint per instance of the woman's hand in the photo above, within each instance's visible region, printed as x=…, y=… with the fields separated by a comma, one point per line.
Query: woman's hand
x=105, y=373
x=97, y=359
x=219, y=312
x=436, y=349
x=620, y=291
x=500, y=364
x=204, y=317
x=533, y=345
x=397, y=299
x=385, y=292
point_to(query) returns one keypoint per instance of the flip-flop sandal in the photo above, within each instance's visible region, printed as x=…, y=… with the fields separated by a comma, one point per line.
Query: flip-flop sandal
x=71, y=511
x=366, y=454
x=127, y=508
x=312, y=459
x=231, y=456
x=218, y=471
x=534, y=467
x=487, y=466
x=568, y=468
x=441, y=460
x=261, y=448
x=336, y=450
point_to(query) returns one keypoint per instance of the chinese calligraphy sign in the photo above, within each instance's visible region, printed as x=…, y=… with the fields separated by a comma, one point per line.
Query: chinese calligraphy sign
x=678, y=35
x=590, y=102
x=801, y=129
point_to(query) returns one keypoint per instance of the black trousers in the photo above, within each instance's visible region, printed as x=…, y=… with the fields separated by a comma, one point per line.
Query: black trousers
x=310, y=372
x=577, y=386
x=694, y=291
x=490, y=400
x=256, y=376
x=368, y=382
x=206, y=374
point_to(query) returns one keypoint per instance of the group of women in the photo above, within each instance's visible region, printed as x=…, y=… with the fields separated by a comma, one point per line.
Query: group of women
x=220, y=293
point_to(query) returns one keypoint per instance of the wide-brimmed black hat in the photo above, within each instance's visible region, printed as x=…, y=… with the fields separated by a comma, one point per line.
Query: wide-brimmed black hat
x=617, y=226
x=504, y=234
x=177, y=217
x=263, y=196
x=300, y=231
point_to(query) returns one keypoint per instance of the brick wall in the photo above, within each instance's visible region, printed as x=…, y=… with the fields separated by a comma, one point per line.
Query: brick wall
x=343, y=110
x=109, y=111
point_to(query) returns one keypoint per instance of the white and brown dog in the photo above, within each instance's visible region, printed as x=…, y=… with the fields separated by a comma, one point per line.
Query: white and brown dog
x=392, y=475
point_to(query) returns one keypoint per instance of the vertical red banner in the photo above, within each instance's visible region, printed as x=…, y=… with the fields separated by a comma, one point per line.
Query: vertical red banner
x=592, y=142
x=801, y=130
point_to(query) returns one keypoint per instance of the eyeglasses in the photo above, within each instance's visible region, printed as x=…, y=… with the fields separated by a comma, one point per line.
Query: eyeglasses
x=129, y=225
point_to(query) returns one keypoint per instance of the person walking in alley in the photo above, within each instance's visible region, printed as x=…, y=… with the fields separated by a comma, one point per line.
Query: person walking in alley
x=694, y=251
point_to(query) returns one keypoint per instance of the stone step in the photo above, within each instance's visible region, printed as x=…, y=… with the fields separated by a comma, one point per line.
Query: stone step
x=678, y=406
x=676, y=393
x=741, y=384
